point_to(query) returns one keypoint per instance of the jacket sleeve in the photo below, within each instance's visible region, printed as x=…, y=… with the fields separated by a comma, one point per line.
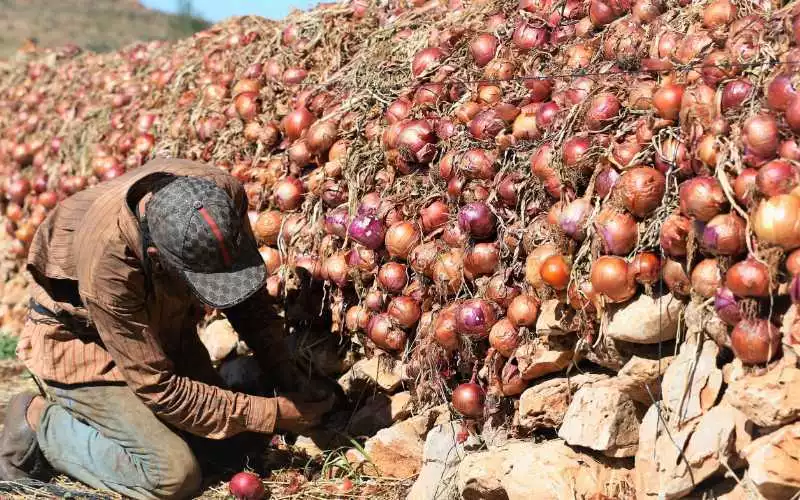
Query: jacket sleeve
x=188, y=405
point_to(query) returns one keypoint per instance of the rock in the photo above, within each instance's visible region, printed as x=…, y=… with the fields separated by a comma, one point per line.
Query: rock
x=700, y=319
x=397, y=451
x=382, y=372
x=305, y=444
x=774, y=462
x=219, y=338
x=379, y=412
x=555, y=318
x=770, y=399
x=791, y=330
x=670, y=463
x=445, y=447
x=640, y=379
x=645, y=320
x=692, y=382
x=544, y=405
x=543, y=356
x=544, y=471
x=604, y=419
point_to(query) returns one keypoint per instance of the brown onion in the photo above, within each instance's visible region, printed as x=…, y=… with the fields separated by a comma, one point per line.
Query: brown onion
x=504, y=337
x=393, y=277
x=641, y=190
x=481, y=259
x=401, y=238
x=499, y=291
x=533, y=264
x=706, y=278
x=611, y=279
x=268, y=227
x=444, y=329
x=555, y=271
x=702, y=198
x=777, y=221
x=384, y=334
x=357, y=319
x=675, y=277
x=748, y=278
x=405, y=311
x=755, y=341
x=744, y=186
x=725, y=235
x=434, y=216
x=645, y=268
x=448, y=272
x=777, y=177
x=523, y=310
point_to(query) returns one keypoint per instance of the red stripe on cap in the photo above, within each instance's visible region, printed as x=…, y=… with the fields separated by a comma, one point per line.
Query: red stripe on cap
x=218, y=235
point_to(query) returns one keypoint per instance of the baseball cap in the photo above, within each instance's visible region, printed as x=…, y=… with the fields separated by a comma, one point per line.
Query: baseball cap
x=198, y=232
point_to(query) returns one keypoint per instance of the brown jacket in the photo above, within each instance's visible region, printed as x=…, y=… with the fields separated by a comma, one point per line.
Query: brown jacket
x=86, y=261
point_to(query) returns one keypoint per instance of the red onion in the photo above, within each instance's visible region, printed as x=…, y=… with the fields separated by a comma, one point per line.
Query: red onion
x=426, y=60
x=602, y=110
x=468, y=400
x=247, y=486
x=367, y=230
x=482, y=48
x=727, y=307
x=475, y=317
x=781, y=90
x=748, y=278
x=572, y=219
x=777, y=177
x=755, y=341
x=735, y=93
x=725, y=235
x=760, y=135
x=478, y=220
x=527, y=36
x=617, y=231
x=702, y=198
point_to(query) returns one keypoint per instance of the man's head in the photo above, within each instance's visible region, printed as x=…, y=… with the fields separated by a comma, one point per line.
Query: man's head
x=197, y=234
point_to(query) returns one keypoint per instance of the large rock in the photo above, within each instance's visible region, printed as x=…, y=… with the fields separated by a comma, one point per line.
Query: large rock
x=604, y=419
x=219, y=338
x=379, y=412
x=544, y=355
x=769, y=399
x=555, y=318
x=774, y=462
x=544, y=471
x=397, y=451
x=692, y=383
x=645, y=320
x=670, y=463
x=380, y=372
x=640, y=379
x=544, y=405
x=445, y=446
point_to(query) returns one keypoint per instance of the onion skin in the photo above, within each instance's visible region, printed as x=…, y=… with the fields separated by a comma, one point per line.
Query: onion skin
x=702, y=198
x=755, y=342
x=674, y=276
x=777, y=221
x=611, y=279
x=674, y=235
x=706, y=278
x=641, y=190
x=725, y=234
x=617, y=231
x=748, y=278
x=469, y=399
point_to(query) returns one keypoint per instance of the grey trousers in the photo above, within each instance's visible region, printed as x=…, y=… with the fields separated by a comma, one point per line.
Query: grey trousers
x=105, y=437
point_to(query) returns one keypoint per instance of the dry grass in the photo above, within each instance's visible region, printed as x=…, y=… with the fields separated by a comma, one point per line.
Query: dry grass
x=99, y=25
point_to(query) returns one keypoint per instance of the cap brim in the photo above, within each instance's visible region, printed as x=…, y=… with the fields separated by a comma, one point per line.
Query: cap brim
x=233, y=286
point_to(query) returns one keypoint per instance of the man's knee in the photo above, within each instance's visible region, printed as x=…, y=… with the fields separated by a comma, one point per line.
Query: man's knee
x=181, y=477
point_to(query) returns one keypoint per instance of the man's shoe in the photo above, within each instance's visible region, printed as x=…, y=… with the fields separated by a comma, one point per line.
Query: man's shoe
x=20, y=456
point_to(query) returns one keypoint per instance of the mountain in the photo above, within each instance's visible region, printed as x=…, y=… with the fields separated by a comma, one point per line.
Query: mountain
x=98, y=25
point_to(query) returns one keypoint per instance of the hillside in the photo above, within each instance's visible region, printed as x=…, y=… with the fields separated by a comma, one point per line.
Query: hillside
x=99, y=25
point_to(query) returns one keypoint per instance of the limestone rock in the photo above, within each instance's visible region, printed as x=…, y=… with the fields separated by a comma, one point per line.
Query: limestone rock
x=380, y=412
x=645, y=320
x=219, y=338
x=543, y=356
x=544, y=405
x=692, y=383
x=640, y=378
x=604, y=419
x=382, y=372
x=445, y=446
x=555, y=318
x=775, y=463
x=770, y=399
x=700, y=320
x=670, y=463
x=544, y=471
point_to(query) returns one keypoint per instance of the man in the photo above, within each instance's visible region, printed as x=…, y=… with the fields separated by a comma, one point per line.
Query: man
x=121, y=274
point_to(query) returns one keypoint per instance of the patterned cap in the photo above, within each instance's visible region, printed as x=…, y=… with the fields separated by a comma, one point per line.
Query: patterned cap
x=197, y=231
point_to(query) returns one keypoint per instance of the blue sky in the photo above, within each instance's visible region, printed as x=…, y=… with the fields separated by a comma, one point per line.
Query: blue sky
x=214, y=10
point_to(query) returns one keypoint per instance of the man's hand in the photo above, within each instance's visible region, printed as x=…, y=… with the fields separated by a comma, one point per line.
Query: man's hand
x=296, y=415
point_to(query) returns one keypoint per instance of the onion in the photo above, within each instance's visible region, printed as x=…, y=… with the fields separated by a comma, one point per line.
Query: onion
x=760, y=135
x=533, y=264
x=726, y=306
x=296, y=122
x=374, y=300
x=367, y=230
x=641, y=190
x=268, y=227
x=384, y=334
x=611, y=279
x=555, y=271
x=475, y=317
x=401, y=238
x=674, y=276
x=790, y=150
x=336, y=222
x=702, y=198
x=444, y=329
x=718, y=13
x=321, y=136
x=483, y=48
x=575, y=150
x=486, y=125
x=405, y=311
x=511, y=379
x=748, y=278
x=357, y=319
x=667, y=100
x=481, y=259
x=477, y=164
x=735, y=93
x=499, y=291
x=793, y=114
x=645, y=268
x=527, y=36
x=477, y=220
x=426, y=60
x=603, y=108
x=393, y=277
x=777, y=221
x=605, y=181
x=706, y=278
x=246, y=486
x=468, y=400
x=755, y=341
x=546, y=114
x=744, y=186
x=777, y=177
x=454, y=236
x=17, y=190
x=434, y=216
x=725, y=235
x=572, y=219
x=793, y=263
x=335, y=269
x=423, y=258
x=523, y=310
x=416, y=141
x=48, y=199
x=288, y=193
x=617, y=231
x=504, y=337
x=246, y=105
